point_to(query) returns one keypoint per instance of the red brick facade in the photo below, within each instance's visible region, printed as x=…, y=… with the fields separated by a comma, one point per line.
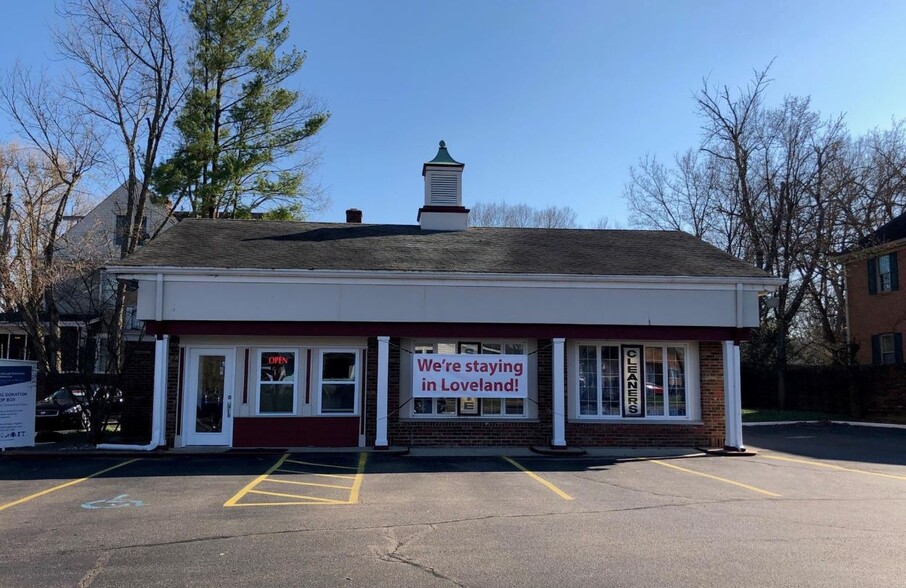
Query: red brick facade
x=872, y=314
x=470, y=433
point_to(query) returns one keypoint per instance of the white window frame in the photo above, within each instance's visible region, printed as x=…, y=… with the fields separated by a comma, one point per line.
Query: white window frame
x=434, y=415
x=892, y=353
x=881, y=274
x=295, y=381
x=688, y=381
x=357, y=371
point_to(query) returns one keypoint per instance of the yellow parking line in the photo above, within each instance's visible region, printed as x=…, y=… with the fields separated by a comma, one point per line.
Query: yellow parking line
x=357, y=485
x=232, y=501
x=300, y=503
x=538, y=478
x=302, y=496
x=66, y=485
x=834, y=467
x=321, y=465
x=340, y=476
x=309, y=484
x=719, y=479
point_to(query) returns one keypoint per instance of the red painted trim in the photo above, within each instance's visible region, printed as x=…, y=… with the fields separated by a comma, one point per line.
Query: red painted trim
x=245, y=382
x=308, y=378
x=180, y=371
x=295, y=432
x=433, y=330
x=460, y=209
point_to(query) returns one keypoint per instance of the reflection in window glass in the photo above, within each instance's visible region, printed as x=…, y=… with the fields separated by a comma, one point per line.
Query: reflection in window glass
x=654, y=381
x=277, y=382
x=676, y=381
x=277, y=398
x=338, y=382
x=588, y=379
x=610, y=380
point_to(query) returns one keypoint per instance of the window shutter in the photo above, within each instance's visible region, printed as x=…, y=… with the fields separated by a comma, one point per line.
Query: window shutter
x=894, y=277
x=898, y=347
x=872, y=276
x=876, y=350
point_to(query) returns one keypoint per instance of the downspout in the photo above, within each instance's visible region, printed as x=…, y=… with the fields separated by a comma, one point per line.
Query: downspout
x=159, y=399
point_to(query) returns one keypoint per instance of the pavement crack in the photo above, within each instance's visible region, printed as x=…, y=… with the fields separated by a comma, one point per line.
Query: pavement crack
x=394, y=555
x=93, y=573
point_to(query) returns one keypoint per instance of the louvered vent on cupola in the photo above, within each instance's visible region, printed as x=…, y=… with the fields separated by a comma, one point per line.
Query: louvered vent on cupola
x=443, y=210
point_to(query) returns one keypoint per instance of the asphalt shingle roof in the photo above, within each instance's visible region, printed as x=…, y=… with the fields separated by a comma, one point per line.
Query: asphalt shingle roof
x=400, y=248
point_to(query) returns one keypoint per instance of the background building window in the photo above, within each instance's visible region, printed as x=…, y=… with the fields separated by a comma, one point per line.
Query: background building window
x=339, y=382
x=883, y=274
x=277, y=382
x=600, y=381
x=887, y=348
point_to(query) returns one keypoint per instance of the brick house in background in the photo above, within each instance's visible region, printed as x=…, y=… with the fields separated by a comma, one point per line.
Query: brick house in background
x=876, y=301
x=289, y=334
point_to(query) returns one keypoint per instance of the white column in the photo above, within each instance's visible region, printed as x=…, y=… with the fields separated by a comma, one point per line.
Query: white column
x=732, y=397
x=559, y=404
x=383, y=376
x=159, y=406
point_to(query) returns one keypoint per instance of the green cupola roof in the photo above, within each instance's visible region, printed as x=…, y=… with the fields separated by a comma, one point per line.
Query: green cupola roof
x=443, y=158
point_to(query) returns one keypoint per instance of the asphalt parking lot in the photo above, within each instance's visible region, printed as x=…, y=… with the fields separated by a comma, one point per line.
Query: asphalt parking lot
x=818, y=506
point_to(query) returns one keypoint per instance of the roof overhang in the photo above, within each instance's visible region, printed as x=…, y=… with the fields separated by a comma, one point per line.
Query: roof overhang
x=756, y=283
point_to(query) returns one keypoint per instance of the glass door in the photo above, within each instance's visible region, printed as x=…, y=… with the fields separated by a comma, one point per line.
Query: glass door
x=208, y=411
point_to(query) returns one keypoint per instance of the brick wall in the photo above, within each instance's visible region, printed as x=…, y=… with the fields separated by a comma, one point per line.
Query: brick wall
x=464, y=433
x=137, y=384
x=873, y=314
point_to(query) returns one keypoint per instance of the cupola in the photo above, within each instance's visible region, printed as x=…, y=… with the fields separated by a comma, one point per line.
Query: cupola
x=443, y=209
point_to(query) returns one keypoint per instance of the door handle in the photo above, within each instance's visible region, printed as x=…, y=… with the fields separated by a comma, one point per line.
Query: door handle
x=229, y=409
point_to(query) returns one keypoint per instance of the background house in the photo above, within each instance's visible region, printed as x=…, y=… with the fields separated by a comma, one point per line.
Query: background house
x=876, y=303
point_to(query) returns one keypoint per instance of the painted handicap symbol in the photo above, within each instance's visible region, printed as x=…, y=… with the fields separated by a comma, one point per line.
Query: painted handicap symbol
x=115, y=502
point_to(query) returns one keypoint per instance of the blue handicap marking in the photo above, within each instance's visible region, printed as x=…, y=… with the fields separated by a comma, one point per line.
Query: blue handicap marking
x=115, y=502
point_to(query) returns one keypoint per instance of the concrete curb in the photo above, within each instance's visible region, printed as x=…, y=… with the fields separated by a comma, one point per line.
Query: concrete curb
x=822, y=422
x=23, y=454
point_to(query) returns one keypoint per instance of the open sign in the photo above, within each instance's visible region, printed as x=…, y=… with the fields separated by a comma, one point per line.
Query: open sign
x=277, y=360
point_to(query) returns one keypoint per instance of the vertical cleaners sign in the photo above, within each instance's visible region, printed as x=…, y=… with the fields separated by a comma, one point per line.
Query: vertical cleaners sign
x=633, y=381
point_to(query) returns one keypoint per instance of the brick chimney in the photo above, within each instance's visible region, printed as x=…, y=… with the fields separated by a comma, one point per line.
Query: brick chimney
x=353, y=216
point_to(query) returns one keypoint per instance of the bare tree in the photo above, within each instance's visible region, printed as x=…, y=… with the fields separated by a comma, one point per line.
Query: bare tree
x=125, y=54
x=44, y=176
x=521, y=215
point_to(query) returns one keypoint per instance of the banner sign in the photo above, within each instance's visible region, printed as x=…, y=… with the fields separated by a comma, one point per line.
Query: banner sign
x=17, y=403
x=633, y=381
x=475, y=376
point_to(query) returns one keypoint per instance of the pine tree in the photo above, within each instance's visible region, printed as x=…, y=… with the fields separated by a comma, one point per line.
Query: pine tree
x=243, y=135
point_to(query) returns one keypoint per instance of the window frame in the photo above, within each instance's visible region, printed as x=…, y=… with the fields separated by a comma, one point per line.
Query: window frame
x=689, y=355
x=458, y=344
x=891, y=337
x=258, y=382
x=357, y=381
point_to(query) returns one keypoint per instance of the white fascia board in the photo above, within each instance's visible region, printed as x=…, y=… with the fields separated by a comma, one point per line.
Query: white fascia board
x=250, y=275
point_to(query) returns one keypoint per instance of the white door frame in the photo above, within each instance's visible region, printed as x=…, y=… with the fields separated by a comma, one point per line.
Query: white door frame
x=190, y=398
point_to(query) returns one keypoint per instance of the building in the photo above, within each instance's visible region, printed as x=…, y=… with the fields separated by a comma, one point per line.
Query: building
x=876, y=305
x=286, y=334
x=85, y=301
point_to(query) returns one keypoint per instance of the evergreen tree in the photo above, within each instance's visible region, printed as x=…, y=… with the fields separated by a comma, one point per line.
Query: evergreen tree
x=242, y=133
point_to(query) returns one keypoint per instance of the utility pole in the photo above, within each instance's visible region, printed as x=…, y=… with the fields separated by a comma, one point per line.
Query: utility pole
x=7, y=213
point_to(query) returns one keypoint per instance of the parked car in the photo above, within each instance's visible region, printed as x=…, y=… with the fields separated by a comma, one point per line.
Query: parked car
x=67, y=408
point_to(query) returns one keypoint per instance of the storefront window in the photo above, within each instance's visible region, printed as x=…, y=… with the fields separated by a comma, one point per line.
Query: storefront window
x=277, y=382
x=451, y=407
x=599, y=388
x=339, y=382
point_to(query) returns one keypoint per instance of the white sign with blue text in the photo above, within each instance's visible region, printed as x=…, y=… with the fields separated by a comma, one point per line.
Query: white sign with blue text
x=17, y=403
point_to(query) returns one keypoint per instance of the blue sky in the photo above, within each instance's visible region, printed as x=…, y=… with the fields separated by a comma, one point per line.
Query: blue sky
x=547, y=102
